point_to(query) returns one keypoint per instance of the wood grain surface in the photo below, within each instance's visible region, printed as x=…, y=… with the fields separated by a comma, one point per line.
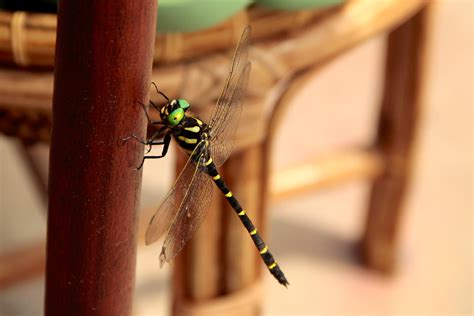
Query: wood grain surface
x=103, y=67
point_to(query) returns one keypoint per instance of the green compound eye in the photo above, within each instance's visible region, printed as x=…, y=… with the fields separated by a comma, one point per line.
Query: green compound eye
x=183, y=103
x=176, y=116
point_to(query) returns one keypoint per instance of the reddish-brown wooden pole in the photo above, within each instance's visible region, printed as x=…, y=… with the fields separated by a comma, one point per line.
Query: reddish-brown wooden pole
x=103, y=66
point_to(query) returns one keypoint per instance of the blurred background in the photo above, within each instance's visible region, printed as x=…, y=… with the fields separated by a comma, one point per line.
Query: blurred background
x=313, y=234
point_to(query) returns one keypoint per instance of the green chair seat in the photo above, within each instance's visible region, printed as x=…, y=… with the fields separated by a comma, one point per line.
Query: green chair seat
x=294, y=5
x=192, y=15
x=187, y=15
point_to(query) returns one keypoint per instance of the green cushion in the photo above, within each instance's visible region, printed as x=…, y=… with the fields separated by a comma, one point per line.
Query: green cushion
x=292, y=5
x=194, y=15
x=186, y=15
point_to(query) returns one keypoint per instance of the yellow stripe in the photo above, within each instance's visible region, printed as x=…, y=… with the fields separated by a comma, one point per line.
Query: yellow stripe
x=207, y=163
x=264, y=250
x=273, y=265
x=216, y=177
x=188, y=140
x=194, y=129
x=242, y=213
x=253, y=232
x=229, y=194
x=199, y=121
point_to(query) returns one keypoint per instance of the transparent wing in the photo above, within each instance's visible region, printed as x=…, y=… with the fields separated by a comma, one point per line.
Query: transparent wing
x=192, y=211
x=238, y=64
x=222, y=140
x=166, y=213
x=224, y=119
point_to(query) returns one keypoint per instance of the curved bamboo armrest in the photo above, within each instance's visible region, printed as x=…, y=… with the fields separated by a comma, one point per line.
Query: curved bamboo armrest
x=29, y=39
x=26, y=95
x=27, y=92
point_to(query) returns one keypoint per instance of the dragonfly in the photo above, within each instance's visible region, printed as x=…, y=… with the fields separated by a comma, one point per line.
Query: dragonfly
x=208, y=146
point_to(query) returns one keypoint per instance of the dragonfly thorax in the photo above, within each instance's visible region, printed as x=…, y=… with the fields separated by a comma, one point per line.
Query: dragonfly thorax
x=190, y=132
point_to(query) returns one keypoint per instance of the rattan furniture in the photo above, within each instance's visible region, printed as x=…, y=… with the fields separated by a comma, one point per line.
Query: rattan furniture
x=289, y=48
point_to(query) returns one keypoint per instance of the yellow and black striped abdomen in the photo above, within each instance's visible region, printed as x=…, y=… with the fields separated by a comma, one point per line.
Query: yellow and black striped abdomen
x=267, y=257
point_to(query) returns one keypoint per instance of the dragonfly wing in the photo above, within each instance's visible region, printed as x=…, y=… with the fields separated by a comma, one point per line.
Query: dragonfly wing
x=223, y=138
x=166, y=213
x=226, y=114
x=192, y=211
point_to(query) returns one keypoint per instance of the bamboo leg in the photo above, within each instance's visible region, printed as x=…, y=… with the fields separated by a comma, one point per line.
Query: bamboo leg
x=398, y=123
x=102, y=71
x=242, y=172
x=205, y=253
x=36, y=157
x=221, y=258
x=197, y=274
x=22, y=264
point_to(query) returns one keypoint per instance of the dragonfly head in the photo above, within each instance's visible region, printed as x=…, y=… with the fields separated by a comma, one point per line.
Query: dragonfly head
x=173, y=112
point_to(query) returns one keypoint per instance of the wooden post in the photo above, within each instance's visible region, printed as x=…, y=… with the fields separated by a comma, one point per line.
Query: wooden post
x=103, y=66
x=398, y=123
x=197, y=274
x=242, y=262
x=36, y=159
x=216, y=271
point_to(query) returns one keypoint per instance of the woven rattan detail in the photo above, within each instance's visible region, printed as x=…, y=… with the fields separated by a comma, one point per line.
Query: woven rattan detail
x=273, y=57
x=28, y=126
x=272, y=64
x=172, y=48
x=18, y=38
x=28, y=39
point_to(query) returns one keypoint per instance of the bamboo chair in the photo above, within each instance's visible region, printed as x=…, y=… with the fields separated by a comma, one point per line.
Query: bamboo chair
x=285, y=55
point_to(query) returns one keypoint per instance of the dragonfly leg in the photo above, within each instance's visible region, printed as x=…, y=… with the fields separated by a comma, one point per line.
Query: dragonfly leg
x=145, y=111
x=135, y=137
x=162, y=94
x=165, y=142
x=154, y=105
x=150, y=140
x=150, y=122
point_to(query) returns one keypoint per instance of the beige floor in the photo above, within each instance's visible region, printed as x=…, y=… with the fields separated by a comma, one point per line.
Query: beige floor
x=313, y=234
